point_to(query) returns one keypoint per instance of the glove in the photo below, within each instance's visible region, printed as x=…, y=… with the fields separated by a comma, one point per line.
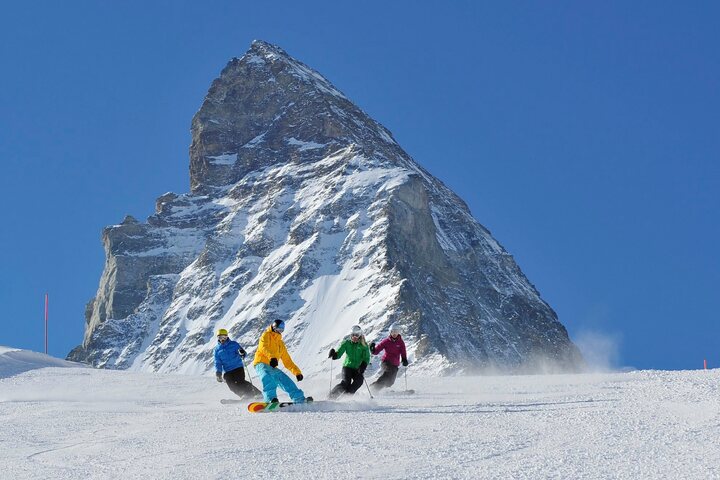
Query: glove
x=404, y=362
x=218, y=377
x=273, y=362
x=372, y=347
x=242, y=353
x=361, y=368
x=332, y=354
x=299, y=377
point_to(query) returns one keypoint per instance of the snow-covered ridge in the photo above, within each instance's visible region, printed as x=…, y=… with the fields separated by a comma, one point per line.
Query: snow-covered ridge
x=14, y=361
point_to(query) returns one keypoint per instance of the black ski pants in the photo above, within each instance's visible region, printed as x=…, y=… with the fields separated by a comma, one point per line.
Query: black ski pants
x=351, y=381
x=387, y=377
x=235, y=379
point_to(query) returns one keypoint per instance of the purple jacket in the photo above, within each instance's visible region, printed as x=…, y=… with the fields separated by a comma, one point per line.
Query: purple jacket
x=394, y=349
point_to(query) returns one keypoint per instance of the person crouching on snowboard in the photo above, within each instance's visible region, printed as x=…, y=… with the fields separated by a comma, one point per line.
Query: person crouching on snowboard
x=229, y=357
x=271, y=349
x=394, y=348
x=357, y=357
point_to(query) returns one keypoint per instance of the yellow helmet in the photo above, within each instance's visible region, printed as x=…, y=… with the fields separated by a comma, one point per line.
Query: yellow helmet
x=222, y=331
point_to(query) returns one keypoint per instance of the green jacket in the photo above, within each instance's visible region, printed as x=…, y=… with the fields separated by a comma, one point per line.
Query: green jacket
x=355, y=353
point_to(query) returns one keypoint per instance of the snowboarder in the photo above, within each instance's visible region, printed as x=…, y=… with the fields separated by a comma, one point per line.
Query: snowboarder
x=229, y=357
x=394, y=351
x=357, y=358
x=271, y=349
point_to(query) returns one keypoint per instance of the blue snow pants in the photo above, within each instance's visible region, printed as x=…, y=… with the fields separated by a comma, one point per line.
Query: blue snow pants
x=272, y=378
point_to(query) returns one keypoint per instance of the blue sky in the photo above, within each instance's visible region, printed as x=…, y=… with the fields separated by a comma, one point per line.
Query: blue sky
x=584, y=135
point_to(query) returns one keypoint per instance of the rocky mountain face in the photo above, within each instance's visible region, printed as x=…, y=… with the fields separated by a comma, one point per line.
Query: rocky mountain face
x=304, y=208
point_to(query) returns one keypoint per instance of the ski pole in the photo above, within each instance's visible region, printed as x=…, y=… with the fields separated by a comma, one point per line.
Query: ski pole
x=406, y=378
x=248, y=372
x=330, y=390
x=368, y=387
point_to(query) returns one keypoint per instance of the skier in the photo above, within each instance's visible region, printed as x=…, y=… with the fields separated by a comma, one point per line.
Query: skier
x=394, y=350
x=229, y=357
x=357, y=357
x=271, y=349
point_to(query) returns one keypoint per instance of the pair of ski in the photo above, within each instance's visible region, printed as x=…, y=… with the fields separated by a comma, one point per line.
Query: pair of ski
x=398, y=392
x=383, y=393
x=234, y=401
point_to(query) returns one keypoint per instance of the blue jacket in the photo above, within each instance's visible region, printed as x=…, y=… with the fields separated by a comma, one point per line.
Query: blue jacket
x=227, y=356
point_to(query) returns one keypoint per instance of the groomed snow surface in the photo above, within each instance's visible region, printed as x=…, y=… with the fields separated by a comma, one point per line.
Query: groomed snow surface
x=80, y=423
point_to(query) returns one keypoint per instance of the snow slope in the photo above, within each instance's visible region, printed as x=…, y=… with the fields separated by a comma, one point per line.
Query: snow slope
x=69, y=423
x=14, y=361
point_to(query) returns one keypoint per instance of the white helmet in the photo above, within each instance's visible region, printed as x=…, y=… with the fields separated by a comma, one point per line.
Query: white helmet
x=394, y=328
x=356, y=330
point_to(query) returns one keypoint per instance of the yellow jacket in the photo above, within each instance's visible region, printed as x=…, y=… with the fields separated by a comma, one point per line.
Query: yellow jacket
x=272, y=346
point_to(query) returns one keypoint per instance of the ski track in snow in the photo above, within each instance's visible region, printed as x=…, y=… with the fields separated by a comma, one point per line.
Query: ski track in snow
x=70, y=423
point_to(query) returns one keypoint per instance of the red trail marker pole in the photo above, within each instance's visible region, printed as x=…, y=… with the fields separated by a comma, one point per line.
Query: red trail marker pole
x=705, y=364
x=46, y=324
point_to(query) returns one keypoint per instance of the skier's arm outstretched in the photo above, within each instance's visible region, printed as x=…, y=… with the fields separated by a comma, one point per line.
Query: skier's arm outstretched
x=241, y=351
x=341, y=351
x=335, y=354
x=376, y=349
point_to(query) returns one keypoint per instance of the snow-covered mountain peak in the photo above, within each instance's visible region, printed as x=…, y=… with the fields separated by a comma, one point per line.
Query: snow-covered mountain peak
x=274, y=59
x=262, y=47
x=304, y=208
x=268, y=52
x=266, y=108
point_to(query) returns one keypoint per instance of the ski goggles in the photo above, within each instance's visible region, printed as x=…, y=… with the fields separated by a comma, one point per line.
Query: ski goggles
x=222, y=338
